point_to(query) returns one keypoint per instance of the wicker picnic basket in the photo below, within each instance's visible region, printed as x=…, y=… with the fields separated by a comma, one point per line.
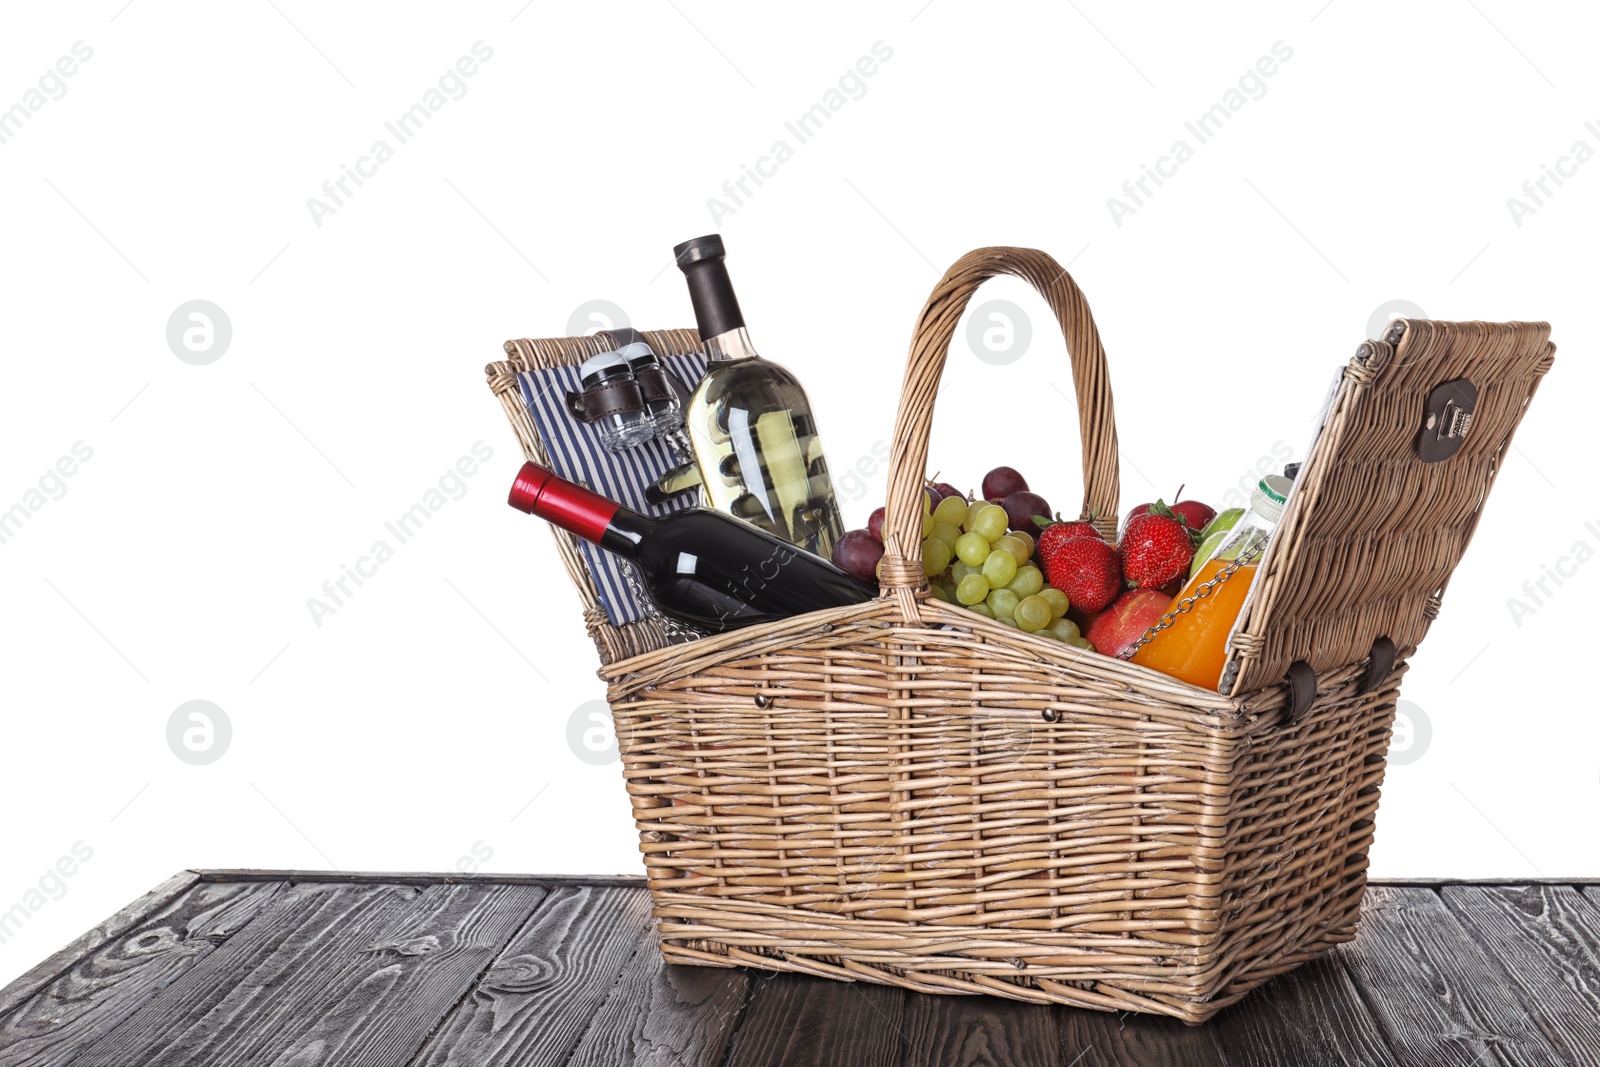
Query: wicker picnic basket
x=904, y=792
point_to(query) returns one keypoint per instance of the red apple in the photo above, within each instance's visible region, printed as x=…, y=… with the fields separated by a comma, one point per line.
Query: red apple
x=1195, y=515
x=1126, y=620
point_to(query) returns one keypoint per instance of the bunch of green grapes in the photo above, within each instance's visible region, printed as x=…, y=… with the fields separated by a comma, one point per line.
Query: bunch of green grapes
x=972, y=559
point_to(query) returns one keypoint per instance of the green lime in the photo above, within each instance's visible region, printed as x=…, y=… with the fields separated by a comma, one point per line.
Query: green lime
x=1224, y=520
x=1203, y=553
x=1212, y=536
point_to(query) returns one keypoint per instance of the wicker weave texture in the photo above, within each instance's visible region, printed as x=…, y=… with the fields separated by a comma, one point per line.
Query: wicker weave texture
x=1373, y=533
x=874, y=792
x=869, y=799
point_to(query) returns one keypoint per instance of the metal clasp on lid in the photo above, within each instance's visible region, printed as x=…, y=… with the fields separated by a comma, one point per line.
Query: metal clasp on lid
x=1446, y=420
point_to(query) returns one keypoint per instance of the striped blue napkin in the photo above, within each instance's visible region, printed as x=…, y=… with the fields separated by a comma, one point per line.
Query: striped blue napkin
x=577, y=455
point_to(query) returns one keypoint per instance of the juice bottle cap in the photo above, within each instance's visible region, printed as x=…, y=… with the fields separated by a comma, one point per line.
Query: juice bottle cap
x=1271, y=494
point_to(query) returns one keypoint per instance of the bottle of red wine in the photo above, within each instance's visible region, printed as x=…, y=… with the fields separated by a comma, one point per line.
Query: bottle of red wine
x=701, y=567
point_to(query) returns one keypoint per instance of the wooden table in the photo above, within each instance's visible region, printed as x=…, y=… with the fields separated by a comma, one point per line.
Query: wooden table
x=293, y=969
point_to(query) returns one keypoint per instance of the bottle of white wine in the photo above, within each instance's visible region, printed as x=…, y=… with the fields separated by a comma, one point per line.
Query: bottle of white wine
x=749, y=422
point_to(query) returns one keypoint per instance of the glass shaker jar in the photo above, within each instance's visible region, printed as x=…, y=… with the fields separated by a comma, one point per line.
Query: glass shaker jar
x=664, y=410
x=619, y=430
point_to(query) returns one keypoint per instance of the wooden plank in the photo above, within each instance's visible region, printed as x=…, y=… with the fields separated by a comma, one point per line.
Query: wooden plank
x=797, y=1020
x=548, y=881
x=541, y=993
x=352, y=970
x=1437, y=996
x=1311, y=1017
x=1127, y=1039
x=37, y=977
x=962, y=1031
x=428, y=877
x=353, y=975
x=664, y=1014
x=304, y=931
x=114, y=979
x=553, y=881
x=1546, y=940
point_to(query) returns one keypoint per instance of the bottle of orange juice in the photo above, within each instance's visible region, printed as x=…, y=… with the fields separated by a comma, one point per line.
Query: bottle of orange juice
x=1193, y=647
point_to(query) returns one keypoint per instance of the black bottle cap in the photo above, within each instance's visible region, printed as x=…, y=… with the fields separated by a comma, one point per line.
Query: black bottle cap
x=1291, y=471
x=692, y=251
x=716, y=309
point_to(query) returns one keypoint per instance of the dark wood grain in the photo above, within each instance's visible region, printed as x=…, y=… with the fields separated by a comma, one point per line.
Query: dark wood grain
x=286, y=956
x=540, y=995
x=352, y=975
x=47, y=970
x=115, y=978
x=553, y=881
x=800, y=1021
x=1546, y=940
x=1311, y=1017
x=959, y=1031
x=548, y=881
x=1124, y=1039
x=234, y=968
x=665, y=1016
x=1437, y=996
x=1577, y=882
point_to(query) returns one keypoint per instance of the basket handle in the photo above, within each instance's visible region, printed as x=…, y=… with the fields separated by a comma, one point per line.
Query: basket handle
x=902, y=575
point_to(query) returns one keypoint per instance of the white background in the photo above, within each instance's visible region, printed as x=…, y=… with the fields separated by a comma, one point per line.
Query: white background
x=424, y=724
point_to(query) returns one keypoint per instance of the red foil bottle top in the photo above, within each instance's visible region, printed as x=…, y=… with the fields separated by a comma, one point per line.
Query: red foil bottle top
x=572, y=507
x=531, y=480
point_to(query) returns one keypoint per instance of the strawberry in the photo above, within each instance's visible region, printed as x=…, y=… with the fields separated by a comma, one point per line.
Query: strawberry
x=1133, y=513
x=1055, y=532
x=1083, y=567
x=1194, y=514
x=1157, y=547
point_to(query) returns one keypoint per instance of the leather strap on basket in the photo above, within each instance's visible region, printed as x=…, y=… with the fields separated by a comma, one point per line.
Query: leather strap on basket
x=1379, y=663
x=901, y=573
x=1302, y=690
